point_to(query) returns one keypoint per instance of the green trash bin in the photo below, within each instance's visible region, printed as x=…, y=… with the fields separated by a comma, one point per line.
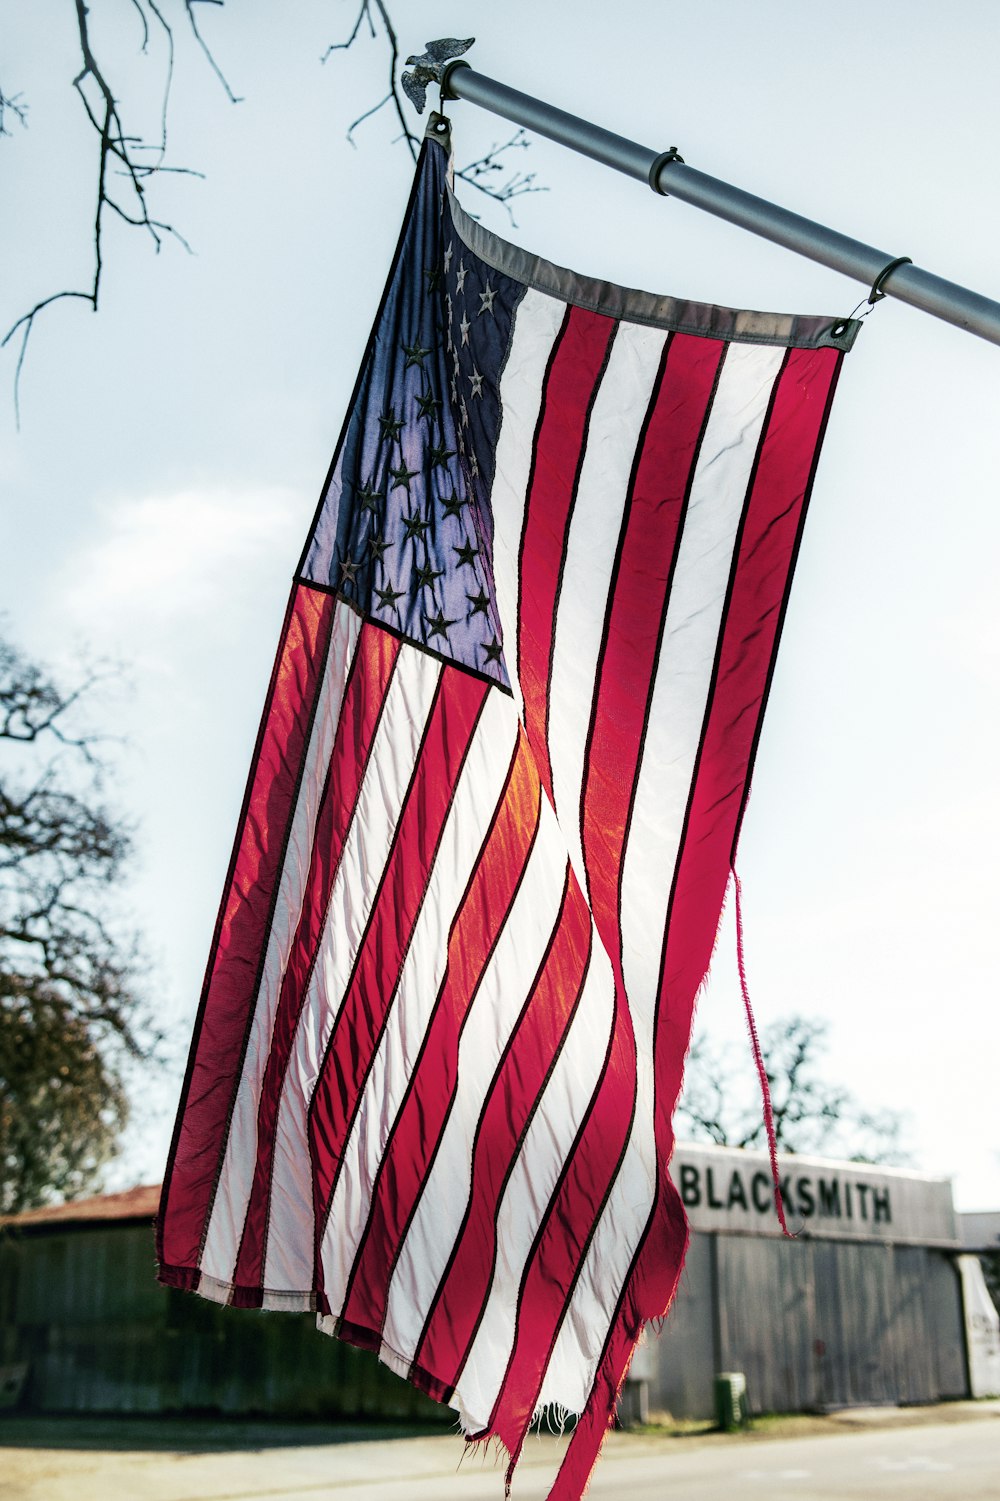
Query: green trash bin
x=731, y=1400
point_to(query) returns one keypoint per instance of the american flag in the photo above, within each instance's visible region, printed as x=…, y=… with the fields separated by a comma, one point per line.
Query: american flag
x=489, y=826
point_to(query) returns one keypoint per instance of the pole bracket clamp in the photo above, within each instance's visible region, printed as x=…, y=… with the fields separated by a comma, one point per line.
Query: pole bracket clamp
x=670, y=155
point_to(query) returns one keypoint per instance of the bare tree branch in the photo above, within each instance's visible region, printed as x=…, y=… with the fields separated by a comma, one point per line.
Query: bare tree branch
x=120, y=154
x=364, y=14
x=476, y=173
x=189, y=6
x=393, y=96
x=10, y=104
x=720, y=1101
x=126, y=161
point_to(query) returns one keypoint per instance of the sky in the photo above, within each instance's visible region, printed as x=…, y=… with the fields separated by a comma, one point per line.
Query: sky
x=155, y=497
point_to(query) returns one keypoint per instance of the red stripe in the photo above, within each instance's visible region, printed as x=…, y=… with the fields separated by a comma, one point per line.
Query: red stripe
x=364, y=698
x=559, y=445
x=627, y=669
x=635, y=620
x=235, y=961
x=766, y=557
x=422, y=1117
x=361, y=1018
x=534, y=1046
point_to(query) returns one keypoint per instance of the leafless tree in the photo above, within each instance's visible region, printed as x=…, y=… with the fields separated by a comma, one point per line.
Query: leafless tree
x=720, y=1102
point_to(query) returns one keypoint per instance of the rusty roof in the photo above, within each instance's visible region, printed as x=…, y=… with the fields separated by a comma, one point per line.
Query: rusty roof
x=133, y=1204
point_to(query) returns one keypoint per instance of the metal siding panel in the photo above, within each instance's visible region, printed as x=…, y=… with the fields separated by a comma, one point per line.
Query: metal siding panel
x=89, y=1276
x=685, y=1347
x=766, y=1320
x=866, y=1271
x=873, y=1325
x=910, y=1333
x=947, y=1328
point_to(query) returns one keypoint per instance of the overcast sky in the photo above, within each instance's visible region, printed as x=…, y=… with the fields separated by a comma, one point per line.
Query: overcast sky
x=171, y=450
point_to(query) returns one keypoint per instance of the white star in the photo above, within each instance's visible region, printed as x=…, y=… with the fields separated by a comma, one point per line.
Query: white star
x=474, y=464
x=447, y=256
x=476, y=382
x=487, y=299
x=447, y=303
x=465, y=415
x=454, y=392
x=456, y=363
x=465, y=325
x=460, y=277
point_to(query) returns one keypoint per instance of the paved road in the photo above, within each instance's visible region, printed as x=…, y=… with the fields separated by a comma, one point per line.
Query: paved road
x=938, y=1461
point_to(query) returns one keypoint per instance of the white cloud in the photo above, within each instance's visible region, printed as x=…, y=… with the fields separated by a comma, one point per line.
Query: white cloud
x=169, y=561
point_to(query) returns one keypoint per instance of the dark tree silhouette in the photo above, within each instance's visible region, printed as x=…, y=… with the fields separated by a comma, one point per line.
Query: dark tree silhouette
x=70, y=1016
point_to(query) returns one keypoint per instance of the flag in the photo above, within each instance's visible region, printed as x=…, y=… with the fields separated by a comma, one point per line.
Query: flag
x=489, y=826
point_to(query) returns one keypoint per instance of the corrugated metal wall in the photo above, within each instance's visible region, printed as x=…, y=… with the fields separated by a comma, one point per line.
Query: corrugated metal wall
x=100, y=1335
x=813, y=1324
x=686, y=1356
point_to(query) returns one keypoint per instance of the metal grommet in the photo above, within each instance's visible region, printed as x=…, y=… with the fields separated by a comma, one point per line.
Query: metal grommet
x=671, y=155
x=839, y=329
x=876, y=294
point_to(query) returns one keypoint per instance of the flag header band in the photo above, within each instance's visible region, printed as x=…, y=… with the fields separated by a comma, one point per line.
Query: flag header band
x=630, y=305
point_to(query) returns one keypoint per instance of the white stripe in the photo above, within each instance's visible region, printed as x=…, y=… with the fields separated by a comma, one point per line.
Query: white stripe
x=505, y=986
x=536, y=324
x=687, y=655
x=546, y=1146
x=479, y=790
x=408, y=703
x=229, y=1209
x=616, y=422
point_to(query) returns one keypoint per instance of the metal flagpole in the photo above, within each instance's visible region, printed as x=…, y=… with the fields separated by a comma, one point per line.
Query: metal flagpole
x=666, y=172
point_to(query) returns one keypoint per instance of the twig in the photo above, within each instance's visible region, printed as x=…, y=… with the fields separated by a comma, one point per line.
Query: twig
x=10, y=104
x=189, y=7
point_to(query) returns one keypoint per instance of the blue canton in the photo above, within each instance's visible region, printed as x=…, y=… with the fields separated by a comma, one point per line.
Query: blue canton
x=404, y=531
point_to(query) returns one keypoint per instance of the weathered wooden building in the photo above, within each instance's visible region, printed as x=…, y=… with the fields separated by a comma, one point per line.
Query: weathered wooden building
x=864, y=1306
x=85, y=1327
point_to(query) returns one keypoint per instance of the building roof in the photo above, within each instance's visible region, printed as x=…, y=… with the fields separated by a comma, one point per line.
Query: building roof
x=980, y=1232
x=134, y=1204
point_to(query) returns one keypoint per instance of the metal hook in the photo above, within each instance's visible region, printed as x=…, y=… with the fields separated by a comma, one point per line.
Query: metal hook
x=876, y=294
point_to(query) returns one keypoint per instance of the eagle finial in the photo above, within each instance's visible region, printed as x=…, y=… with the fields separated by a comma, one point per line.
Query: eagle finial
x=429, y=68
